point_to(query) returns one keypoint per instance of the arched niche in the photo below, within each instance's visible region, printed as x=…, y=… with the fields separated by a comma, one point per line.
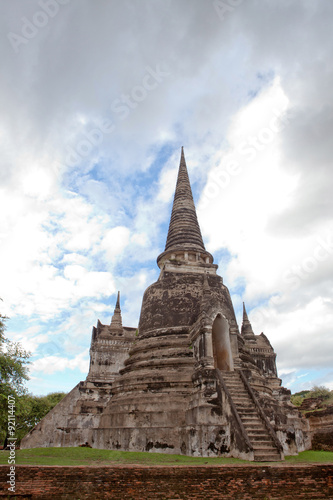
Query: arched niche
x=221, y=344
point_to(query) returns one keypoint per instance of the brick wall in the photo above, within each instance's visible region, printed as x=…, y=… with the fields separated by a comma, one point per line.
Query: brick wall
x=125, y=482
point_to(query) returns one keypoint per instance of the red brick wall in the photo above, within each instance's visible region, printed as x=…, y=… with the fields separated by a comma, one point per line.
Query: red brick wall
x=208, y=483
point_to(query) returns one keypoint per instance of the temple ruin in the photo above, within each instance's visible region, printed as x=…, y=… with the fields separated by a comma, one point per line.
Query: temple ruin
x=186, y=381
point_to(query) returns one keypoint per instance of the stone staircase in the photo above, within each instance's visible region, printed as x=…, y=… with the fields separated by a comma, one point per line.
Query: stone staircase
x=263, y=444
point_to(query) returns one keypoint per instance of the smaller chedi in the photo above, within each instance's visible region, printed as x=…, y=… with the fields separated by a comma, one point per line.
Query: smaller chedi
x=186, y=380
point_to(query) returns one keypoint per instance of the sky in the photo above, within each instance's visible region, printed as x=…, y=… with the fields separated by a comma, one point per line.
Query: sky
x=96, y=100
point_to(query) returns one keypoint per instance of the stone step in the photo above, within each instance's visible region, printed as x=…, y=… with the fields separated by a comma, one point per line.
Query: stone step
x=265, y=450
x=264, y=440
x=251, y=420
x=250, y=428
x=238, y=394
x=246, y=406
x=239, y=400
x=249, y=412
x=250, y=417
x=242, y=404
x=257, y=433
x=238, y=390
x=263, y=446
x=253, y=423
x=233, y=385
x=255, y=426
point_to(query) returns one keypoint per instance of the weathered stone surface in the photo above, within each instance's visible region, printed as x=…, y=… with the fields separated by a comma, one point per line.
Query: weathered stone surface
x=187, y=381
x=321, y=428
x=184, y=230
x=230, y=482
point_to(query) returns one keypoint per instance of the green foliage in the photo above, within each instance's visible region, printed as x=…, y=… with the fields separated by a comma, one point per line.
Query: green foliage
x=31, y=409
x=13, y=360
x=296, y=399
x=13, y=371
x=319, y=392
x=302, y=393
x=316, y=392
x=13, y=374
x=2, y=327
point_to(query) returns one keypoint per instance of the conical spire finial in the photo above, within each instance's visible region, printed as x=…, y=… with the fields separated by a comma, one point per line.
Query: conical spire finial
x=118, y=301
x=184, y=231
x=246, y=325
x=182, y=156
x=116, y=321
x=245, y=316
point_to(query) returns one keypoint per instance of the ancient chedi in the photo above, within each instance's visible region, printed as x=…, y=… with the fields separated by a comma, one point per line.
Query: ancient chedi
x=186, y=381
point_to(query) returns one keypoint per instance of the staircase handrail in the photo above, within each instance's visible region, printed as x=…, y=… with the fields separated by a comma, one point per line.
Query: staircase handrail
x=234, y=409
x=261, y=412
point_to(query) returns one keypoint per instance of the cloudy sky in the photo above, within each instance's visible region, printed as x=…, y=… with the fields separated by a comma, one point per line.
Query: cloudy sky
x=96, y=100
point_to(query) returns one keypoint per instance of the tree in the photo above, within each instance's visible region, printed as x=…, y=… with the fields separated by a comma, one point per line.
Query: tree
x=31, y=409
x=319, y=392
x=13, y=374
x=298, y=397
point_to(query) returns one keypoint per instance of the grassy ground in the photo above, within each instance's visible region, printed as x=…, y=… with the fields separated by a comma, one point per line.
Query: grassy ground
x=89, y=456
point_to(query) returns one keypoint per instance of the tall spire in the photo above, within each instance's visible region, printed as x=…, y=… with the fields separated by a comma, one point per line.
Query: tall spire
x=246, y=325
x=116, y=321
x=118, y=301
x=245, y=316
x=184, y=231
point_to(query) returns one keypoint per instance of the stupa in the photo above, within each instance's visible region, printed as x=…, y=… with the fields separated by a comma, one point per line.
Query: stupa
x=186, y=381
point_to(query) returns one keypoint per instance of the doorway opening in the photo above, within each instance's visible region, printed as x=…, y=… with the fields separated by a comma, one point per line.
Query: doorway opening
x=221, y=344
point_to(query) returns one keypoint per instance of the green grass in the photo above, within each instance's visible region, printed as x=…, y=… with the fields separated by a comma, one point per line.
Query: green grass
x=311, y=457
x=90, y=456
x=93, y=457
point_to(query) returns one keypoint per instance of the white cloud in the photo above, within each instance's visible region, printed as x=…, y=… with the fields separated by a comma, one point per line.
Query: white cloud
x=115, y=241
x=53, y=364
x=244, y=190
x=291, y=267
x=75, y=259
x=294, y=332
x=167, y=182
